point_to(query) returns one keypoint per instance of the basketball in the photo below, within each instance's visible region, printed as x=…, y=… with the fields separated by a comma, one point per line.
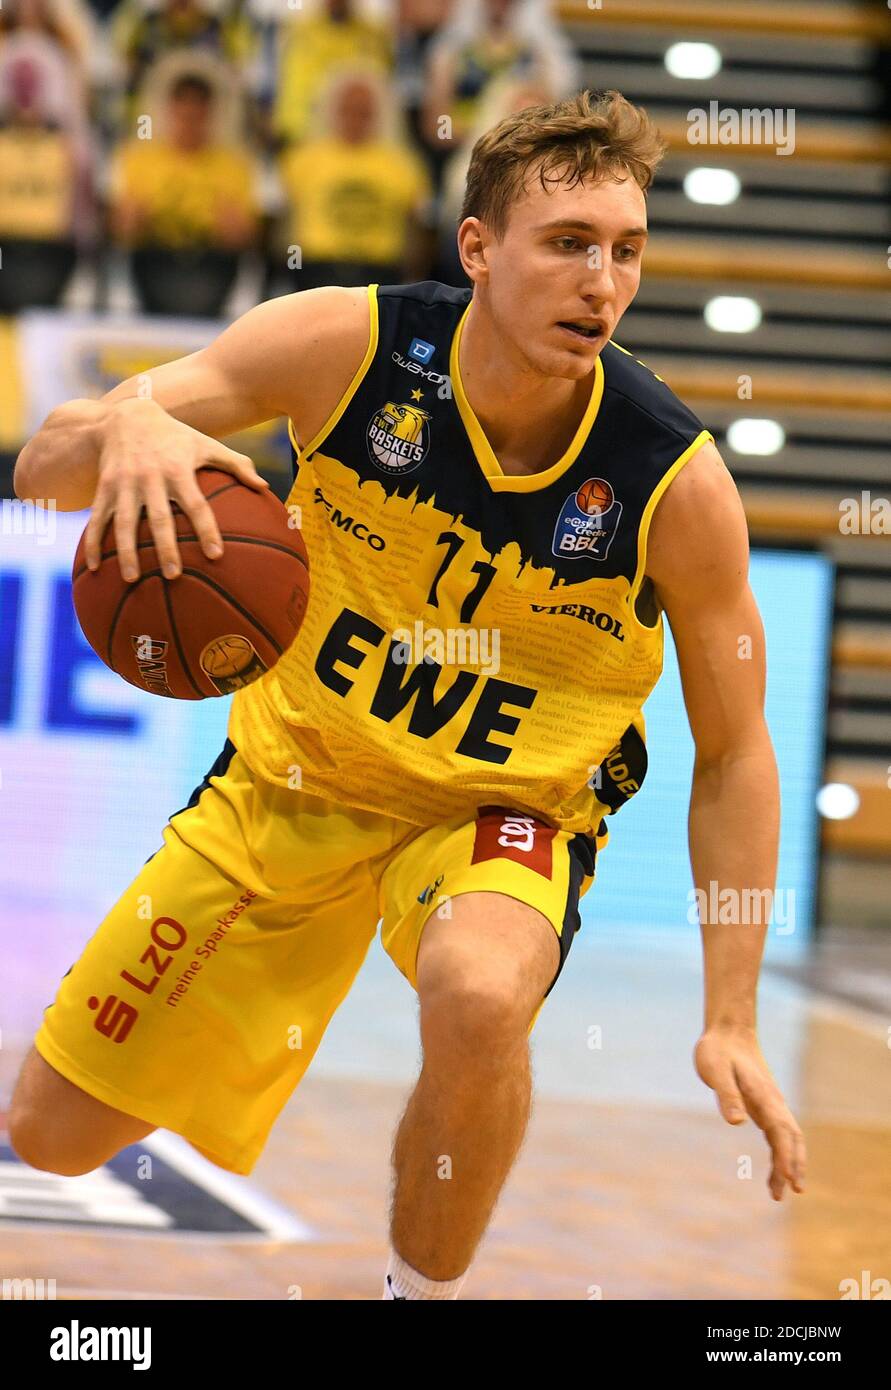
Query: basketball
x=220, y=623
x=595, y=495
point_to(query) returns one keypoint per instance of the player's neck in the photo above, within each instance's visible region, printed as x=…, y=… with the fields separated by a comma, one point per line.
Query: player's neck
x=526, y=417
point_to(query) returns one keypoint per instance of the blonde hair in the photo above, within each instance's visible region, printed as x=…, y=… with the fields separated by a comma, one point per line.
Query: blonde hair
x=586, y=136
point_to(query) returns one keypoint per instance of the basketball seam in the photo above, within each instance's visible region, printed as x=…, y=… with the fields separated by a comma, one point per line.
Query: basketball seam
x=152, y=574
x=227, y=536
x=114, y=622
x=250, y=617
x=175, y=635
x=224, y=487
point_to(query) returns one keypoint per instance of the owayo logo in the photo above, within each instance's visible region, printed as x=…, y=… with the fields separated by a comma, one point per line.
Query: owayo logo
x=398, y=437
x=421, y=351
x=587, y=521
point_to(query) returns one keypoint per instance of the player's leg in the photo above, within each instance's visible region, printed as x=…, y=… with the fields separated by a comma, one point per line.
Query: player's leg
x=483, y=954
x=202, y=998
x=88, y=1133
x=481, y=977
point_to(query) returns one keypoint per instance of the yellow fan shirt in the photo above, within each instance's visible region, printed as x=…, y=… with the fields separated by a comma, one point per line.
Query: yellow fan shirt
x=183, y=191
x=352, y=202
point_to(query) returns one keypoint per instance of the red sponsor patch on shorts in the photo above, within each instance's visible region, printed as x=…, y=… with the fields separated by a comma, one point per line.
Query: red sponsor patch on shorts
x=505, y=834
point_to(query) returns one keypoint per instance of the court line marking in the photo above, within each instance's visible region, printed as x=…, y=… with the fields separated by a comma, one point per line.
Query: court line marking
x=94, y=1231
x=275, y=1220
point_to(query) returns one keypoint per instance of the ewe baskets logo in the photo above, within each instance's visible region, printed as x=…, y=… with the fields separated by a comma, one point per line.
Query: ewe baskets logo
x=587, y=521
x=398, y=437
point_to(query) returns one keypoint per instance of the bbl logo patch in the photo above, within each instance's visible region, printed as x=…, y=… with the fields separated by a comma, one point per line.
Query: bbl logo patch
x=398, y=437
x=587, y=521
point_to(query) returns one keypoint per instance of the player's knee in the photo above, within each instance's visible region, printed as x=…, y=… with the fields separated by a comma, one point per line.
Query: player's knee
x=475, y=1017
x=39, y=1141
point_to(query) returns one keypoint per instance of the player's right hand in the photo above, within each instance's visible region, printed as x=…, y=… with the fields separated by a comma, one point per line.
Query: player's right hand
x=147, y=458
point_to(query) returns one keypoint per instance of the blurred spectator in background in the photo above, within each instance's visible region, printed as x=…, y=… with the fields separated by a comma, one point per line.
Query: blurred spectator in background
x=53, y=35
x=312, y=48
x=359, y=195
x=504, y=97
x=268, y=19
x=417, y=24
x=45, y=192
x=486, y=39
x=185, y=202
x=66, y=21
x=145, y=30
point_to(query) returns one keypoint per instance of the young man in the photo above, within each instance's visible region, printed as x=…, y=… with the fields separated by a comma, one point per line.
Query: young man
x=471, y=464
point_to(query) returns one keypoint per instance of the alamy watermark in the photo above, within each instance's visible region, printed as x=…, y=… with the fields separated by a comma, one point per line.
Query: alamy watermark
x=33, y=1290
x=742, y=907
x=750, y=125
x=451, y=646
x=32, y=516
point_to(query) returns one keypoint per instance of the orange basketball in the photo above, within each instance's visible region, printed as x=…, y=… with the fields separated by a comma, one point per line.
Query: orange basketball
x=221, y=623
x=595, y=495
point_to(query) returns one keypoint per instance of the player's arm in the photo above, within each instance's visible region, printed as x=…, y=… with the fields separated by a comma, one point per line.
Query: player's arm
x=142, y=443
x=698, y=559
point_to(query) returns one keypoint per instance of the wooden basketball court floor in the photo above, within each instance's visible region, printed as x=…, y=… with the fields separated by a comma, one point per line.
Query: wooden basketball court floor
x=629, y=1185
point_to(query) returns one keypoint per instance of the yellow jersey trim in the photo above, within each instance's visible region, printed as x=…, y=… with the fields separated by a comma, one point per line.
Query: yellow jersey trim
x=351, y=389
x=704, y=437
x=637, y=360
x=485, y=457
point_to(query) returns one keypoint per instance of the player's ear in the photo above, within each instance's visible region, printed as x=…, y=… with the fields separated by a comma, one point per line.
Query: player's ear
x=473, y=239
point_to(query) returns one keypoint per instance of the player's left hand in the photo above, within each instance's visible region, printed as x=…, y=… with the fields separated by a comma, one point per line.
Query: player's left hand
x=730, y=1061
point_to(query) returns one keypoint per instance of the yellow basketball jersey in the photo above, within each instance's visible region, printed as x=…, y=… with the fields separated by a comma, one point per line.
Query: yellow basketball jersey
x=471, y=638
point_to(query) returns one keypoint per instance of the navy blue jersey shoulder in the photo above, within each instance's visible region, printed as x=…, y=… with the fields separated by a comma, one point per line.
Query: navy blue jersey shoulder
x=634, y=387
x=403, y=428
x=427, y=293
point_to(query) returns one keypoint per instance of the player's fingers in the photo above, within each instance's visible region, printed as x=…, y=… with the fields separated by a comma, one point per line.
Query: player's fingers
x=95, y=530
x=240, y=464
x=781, y=1138
x=199, y=511
x=730, y=1101
x=788, y=1151
x=126, y=513
x=799, y=1166
x=731, y=1106
x=161, y=524
x=761, y=1096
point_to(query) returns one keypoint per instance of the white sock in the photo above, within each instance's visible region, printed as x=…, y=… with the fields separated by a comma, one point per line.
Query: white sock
x=404, y=1282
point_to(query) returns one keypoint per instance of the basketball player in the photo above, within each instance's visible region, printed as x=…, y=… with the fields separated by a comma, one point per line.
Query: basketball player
x=481, y=464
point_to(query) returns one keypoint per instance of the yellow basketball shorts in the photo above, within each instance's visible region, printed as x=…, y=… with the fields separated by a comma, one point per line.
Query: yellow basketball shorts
x=200, y=1001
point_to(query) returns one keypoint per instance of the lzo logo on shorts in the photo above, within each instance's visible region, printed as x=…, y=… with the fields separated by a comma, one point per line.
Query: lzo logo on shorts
x=587, y=521
x=398, y=437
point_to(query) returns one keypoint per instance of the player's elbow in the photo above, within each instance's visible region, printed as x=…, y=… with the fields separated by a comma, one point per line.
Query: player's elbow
x=30, y=478
x=22, y=474
x=751, y=742
x=53, y=465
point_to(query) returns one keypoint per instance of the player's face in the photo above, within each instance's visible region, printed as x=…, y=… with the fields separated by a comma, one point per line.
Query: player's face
x=565, y=271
